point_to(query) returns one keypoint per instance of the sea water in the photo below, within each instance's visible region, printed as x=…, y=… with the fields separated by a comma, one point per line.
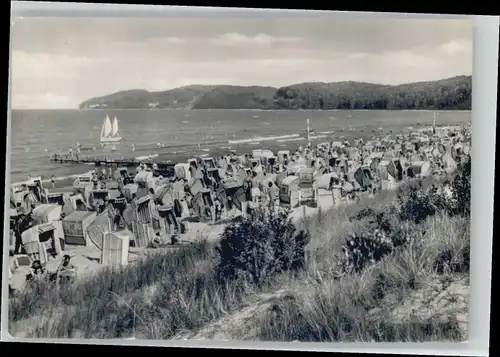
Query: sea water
x=36, y=134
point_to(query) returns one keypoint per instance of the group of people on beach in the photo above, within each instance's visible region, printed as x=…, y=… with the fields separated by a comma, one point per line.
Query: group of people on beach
x=261, y=185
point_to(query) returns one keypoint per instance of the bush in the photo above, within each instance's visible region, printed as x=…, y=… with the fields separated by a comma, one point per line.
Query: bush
x=260, y=246
x=416, y=203
x=360, y=250
x=452, y=198
x=382, y=235
x=365, y=213
x=380, y=219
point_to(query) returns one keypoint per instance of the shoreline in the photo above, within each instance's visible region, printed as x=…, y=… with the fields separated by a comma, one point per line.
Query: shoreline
x=213, y=149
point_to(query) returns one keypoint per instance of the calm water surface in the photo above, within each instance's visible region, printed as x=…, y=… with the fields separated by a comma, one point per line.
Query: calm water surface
x=38, y=133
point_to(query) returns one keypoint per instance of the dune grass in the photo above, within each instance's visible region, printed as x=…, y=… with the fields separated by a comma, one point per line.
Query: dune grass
x=364, y=307
x=393, y=298
x=156, y=298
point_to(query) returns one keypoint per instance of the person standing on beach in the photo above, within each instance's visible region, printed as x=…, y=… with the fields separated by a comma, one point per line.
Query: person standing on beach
x=53, y=181
x=24, y=222
x=120, y=181
x=99, y=205
x=17, y=234
x=213, y=182
x=332, y=187
x=255, y=188
x=19, y=208
x=95, y=184
x=114, y=218
x=247, y=185
x=273, y=192
x=218, y=209
x=264, y=193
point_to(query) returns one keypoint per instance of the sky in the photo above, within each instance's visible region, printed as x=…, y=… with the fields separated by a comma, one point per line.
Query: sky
x=60, y=62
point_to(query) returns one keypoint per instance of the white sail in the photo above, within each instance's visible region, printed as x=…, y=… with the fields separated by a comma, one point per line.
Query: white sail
x=103, y=130
x=115, y=127
x=108, y=127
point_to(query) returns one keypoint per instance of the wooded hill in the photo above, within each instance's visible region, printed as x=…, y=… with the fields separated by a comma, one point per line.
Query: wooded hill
x=452, y=93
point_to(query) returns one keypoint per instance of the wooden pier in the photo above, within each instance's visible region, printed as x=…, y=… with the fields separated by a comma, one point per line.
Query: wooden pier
x=109, y=161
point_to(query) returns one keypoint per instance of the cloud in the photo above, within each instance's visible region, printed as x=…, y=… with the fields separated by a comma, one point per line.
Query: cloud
x=456, y=47
x=37, y=66
x=42, y=101
x=171, y=40
x=356, y=55
x=166, y=83
x=409, y=59
x=237, y=39
x=39, y=81
x=159, y=44
x=68, y=60
x=342, y=32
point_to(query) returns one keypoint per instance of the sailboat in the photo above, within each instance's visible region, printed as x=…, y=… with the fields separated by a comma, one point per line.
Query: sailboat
x=109, y=131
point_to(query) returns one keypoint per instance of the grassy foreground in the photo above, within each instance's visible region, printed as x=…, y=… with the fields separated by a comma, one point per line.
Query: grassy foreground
x=394, y=268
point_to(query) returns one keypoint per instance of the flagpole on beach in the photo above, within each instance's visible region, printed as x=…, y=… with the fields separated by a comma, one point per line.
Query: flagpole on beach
x=434, y=124
x=308, y=134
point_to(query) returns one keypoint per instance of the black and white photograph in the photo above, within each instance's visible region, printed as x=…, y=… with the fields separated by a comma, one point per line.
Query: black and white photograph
x=240, y=178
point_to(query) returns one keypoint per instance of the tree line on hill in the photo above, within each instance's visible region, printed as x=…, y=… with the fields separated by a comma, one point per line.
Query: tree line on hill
x=447, y=94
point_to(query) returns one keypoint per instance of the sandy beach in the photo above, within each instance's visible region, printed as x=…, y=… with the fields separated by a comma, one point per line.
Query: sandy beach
x=87, y=259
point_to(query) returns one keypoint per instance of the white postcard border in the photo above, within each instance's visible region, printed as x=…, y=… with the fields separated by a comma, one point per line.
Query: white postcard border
x=484, y=89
